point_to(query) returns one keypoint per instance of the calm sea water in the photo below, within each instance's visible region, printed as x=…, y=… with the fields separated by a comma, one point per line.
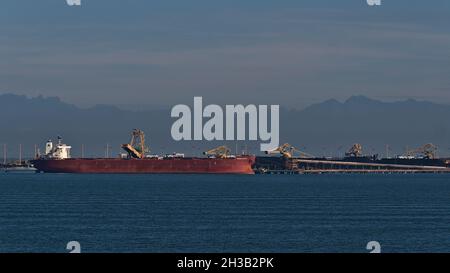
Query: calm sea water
x=210, y=213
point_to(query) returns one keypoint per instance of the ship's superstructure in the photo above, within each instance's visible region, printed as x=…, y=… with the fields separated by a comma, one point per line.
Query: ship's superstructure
x=58, y=151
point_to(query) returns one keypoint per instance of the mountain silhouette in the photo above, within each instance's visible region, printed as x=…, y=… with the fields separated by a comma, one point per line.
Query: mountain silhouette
x=328, y=128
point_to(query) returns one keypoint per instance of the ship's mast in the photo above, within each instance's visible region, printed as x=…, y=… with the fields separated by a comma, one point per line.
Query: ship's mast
x=107, y=150
x=20, y=154
x=5, y=154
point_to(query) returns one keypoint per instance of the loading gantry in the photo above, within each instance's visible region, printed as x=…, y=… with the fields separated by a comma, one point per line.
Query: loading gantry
x=355, y=150
x=287, y=150
x=427, y=151
x=136, y=148
x=219, y=152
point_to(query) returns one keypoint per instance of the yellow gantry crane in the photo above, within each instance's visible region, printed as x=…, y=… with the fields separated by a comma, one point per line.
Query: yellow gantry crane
x=428, y=151
x=136, y=148
x=219, y=152
x=287, y=150
x=355, y=150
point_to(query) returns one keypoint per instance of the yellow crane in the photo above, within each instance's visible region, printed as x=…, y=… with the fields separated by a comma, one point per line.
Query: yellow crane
x=355, y=150
x=287, y=150
x=136, y=148
x=428, y=151
x=219, y=152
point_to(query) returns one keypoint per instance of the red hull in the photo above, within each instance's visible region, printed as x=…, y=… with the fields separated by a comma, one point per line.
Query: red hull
x=239, y=165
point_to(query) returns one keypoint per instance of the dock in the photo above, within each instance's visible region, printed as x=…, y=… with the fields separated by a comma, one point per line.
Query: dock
x=274, y=165
x=338, y=171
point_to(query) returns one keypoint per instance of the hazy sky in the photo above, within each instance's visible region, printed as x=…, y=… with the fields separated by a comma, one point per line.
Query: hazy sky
x=292, y=53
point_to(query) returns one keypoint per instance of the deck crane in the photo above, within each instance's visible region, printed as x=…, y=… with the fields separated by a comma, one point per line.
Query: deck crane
x=219, y=152
x=136, y=148
x=287, y=150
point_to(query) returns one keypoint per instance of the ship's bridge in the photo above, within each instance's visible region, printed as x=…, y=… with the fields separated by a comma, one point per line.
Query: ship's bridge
x=60, y=151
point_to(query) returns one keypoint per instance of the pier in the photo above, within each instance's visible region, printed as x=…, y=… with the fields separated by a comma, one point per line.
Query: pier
x=280, y=165
x=340, y=171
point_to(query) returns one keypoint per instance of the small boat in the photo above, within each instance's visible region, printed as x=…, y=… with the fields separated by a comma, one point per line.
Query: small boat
x=19, y=169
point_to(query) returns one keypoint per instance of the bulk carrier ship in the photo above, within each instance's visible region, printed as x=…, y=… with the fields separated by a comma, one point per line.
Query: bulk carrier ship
x=57, y=159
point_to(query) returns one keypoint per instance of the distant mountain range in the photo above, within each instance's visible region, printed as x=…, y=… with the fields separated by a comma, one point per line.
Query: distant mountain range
x=328, y=128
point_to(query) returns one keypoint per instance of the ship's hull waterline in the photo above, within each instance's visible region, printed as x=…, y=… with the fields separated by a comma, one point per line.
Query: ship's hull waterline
x=238, y=165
